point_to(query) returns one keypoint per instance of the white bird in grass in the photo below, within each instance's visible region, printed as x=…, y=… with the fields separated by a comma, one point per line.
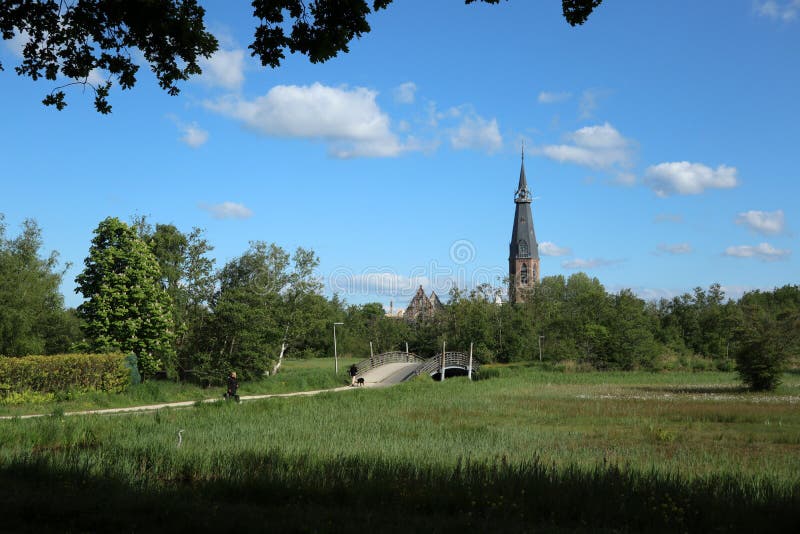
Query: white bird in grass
x=180, y=437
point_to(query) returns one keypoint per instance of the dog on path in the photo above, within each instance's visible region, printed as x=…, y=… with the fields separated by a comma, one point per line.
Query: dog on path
x=360, y=381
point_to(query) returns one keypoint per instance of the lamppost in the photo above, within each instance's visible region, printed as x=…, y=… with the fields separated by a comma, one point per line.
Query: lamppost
x=540, y=347
x=335, y=353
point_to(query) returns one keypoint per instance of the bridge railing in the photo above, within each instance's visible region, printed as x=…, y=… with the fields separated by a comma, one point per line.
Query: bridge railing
x=387, y=357
x=451, y=359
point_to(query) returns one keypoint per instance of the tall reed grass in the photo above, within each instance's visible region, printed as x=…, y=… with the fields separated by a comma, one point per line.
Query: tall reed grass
x=521, y=451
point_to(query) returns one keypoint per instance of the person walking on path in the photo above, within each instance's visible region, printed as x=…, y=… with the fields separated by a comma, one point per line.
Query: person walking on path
x=233, y=387
x=353, y=372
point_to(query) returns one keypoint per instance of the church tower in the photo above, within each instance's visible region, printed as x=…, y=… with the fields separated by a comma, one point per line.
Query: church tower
x=523, y=258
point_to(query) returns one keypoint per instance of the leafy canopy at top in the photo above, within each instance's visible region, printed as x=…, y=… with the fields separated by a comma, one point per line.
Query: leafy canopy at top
x=72, y=42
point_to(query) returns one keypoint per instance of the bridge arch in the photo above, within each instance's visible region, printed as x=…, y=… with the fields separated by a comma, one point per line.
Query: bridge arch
x=397, y=366
x=453, y=364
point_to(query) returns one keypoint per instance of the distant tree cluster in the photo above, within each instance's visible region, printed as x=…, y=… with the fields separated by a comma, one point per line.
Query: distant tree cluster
x=32, y=315
x=153, y=291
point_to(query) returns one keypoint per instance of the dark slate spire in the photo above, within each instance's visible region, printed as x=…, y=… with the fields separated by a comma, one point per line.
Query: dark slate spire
x=523, y=237
x=523, y=193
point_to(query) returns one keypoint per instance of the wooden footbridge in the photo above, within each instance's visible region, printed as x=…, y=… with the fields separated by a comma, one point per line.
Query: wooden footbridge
x=393, y=367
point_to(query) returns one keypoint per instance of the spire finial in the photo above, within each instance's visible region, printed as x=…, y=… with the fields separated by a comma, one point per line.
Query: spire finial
x=523, y=150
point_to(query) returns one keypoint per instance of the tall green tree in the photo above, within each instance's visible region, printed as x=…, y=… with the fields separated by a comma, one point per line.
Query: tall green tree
x=187, y=275
x=32, y=315
x=264, y=296
x=126, y=308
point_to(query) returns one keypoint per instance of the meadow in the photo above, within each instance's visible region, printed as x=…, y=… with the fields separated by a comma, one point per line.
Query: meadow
x=521, y=449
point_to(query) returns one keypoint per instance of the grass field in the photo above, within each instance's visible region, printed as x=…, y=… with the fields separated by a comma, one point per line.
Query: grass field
x=519, y=451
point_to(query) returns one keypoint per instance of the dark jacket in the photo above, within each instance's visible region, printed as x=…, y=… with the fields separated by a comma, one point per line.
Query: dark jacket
x=353, y=370
x=233, y=385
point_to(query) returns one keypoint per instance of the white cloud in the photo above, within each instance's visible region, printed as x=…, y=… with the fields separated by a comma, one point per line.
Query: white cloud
x=548, y=248
x=193, y=135
x=228, y=210
x=763, y=222
x=684, y=178
x=225, y=68
x=546, y=97
x=384, y=282
x=763, y=251
x=349, y=120
x=593, y=263
x=597, y=147
x=785, y=11
x=405, y=92
x=477, y=133
x=678, y=248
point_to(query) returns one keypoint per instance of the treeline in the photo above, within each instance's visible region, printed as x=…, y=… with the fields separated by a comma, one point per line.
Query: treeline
x=575, y=319
x=154, y=291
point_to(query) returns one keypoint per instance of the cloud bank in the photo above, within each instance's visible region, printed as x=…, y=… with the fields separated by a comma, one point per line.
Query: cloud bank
x=348, y=120
x=762, y=251
x=596, y=147
x=684, y=178
x=763, y=222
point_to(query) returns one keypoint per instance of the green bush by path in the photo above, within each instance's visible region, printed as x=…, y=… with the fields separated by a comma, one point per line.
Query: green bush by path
x=46, y=377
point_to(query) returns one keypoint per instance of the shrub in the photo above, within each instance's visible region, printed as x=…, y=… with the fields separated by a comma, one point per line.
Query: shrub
x=75, y=373
x=765, y=346
x=760, y=365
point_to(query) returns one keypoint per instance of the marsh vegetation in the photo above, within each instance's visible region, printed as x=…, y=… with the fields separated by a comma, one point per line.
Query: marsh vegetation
x=523, y=448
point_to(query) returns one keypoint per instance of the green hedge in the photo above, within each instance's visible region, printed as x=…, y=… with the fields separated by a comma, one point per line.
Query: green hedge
x=63, y=372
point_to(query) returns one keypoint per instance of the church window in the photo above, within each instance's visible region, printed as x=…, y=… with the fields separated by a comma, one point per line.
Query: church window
x=523, y=248
x=523, y=274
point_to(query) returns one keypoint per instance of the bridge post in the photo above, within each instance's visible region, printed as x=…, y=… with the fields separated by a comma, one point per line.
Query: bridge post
x=407, y=357
x=469, y=369
x=444, y=346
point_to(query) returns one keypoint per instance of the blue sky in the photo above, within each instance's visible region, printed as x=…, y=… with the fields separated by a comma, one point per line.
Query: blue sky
x=661, y=145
